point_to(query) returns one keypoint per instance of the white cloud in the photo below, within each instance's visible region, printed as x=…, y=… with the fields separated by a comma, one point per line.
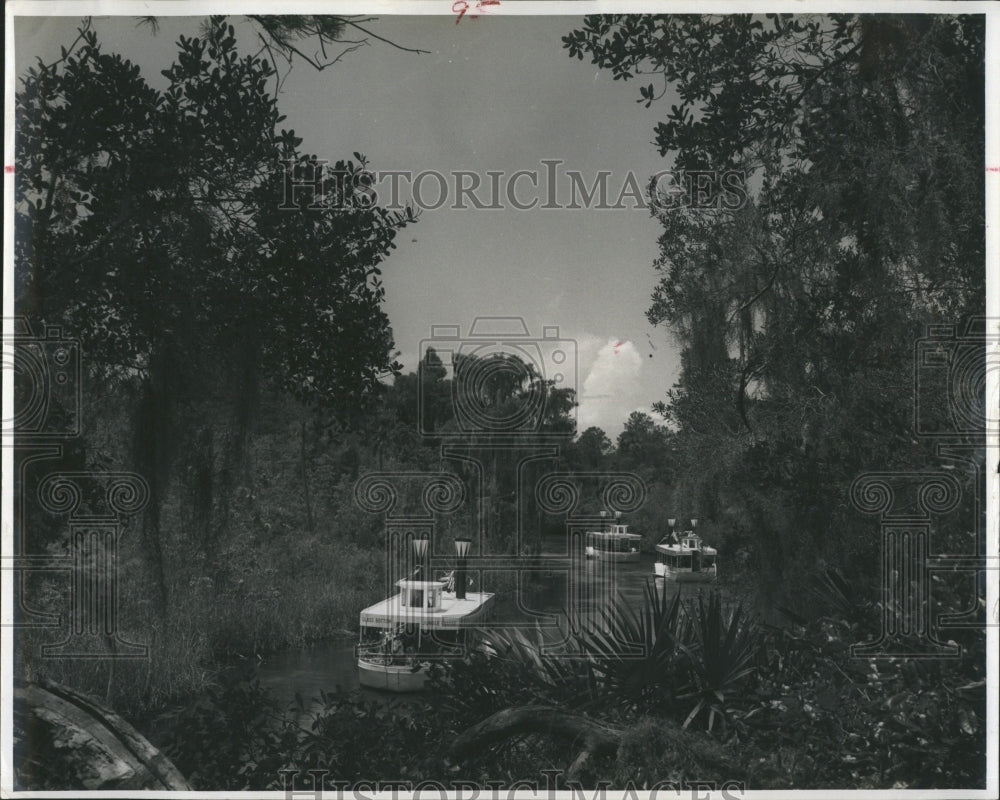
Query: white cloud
x=612, y=387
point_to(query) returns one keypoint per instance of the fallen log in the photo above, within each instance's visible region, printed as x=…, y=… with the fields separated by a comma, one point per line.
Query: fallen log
x=593, y=738
x=64, y=739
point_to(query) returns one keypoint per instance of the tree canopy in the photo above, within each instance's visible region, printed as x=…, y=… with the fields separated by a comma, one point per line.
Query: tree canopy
x=152, y=225
x=148, y=222
x=861, y=139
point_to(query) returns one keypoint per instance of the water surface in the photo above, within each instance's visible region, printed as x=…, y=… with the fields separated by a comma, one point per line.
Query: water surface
x=548, y=598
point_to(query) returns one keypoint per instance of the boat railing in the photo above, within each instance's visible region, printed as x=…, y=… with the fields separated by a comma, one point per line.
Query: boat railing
x=384, y=652
x=378, y=656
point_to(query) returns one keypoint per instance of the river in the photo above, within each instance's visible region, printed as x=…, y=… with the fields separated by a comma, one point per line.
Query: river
x=327, y=665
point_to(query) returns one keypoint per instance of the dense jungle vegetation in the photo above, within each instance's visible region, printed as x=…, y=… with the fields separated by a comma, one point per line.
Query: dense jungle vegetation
x=241, y=362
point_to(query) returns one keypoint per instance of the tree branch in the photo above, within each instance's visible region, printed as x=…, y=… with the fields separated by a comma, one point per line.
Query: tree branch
x=80, y=32
x=387, y=41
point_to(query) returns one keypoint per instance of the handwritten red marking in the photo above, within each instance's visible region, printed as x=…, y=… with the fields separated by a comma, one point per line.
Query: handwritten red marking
x=993, y=169
x=8, y=169
x=618, y=345
x=461, y=7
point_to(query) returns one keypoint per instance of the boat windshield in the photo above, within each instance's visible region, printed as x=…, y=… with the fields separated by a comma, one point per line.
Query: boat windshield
x=401, y=644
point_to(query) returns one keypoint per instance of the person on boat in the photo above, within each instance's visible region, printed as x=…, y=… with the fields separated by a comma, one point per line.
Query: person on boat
x=409, y=642
x=397, y=649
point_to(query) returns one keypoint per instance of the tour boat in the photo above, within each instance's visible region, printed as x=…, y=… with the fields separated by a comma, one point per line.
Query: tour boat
x=616, y=544
x=688, y=561
x=403, y=633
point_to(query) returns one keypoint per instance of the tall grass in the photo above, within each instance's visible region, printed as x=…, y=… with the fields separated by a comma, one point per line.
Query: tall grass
x=252, y=608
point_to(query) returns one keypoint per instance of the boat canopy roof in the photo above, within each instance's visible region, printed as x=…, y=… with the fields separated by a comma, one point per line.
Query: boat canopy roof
x=452, y=613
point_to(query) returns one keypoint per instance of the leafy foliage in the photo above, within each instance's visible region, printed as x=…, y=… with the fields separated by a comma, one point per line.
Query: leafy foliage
x=725, y=646
x=817, y=717
x=665, y=657
x=861, y=141
x=638, y=652
x=221, y=332
x=799, y=711
x=149, y=225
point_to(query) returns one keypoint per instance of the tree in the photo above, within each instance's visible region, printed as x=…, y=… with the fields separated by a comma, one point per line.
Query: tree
x=642, y=443
x=287, y=36
x=590, y=450
x=861, y=139
x=148, y=225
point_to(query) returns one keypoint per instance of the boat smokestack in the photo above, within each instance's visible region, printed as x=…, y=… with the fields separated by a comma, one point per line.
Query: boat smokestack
x=462, y=551
x=420, y=551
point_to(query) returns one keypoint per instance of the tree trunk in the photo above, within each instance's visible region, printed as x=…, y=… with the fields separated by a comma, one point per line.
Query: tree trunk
x=305, y=480
x=151, y=459
x=594, y=739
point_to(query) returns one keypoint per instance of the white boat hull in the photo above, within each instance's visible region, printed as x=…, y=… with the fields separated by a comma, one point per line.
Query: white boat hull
x=684, y=575
x=391, y=677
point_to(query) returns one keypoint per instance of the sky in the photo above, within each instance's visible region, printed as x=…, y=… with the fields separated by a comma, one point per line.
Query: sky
x=492, y=94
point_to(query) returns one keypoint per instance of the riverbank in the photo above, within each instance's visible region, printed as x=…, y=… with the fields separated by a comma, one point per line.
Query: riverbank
x=767, y=707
